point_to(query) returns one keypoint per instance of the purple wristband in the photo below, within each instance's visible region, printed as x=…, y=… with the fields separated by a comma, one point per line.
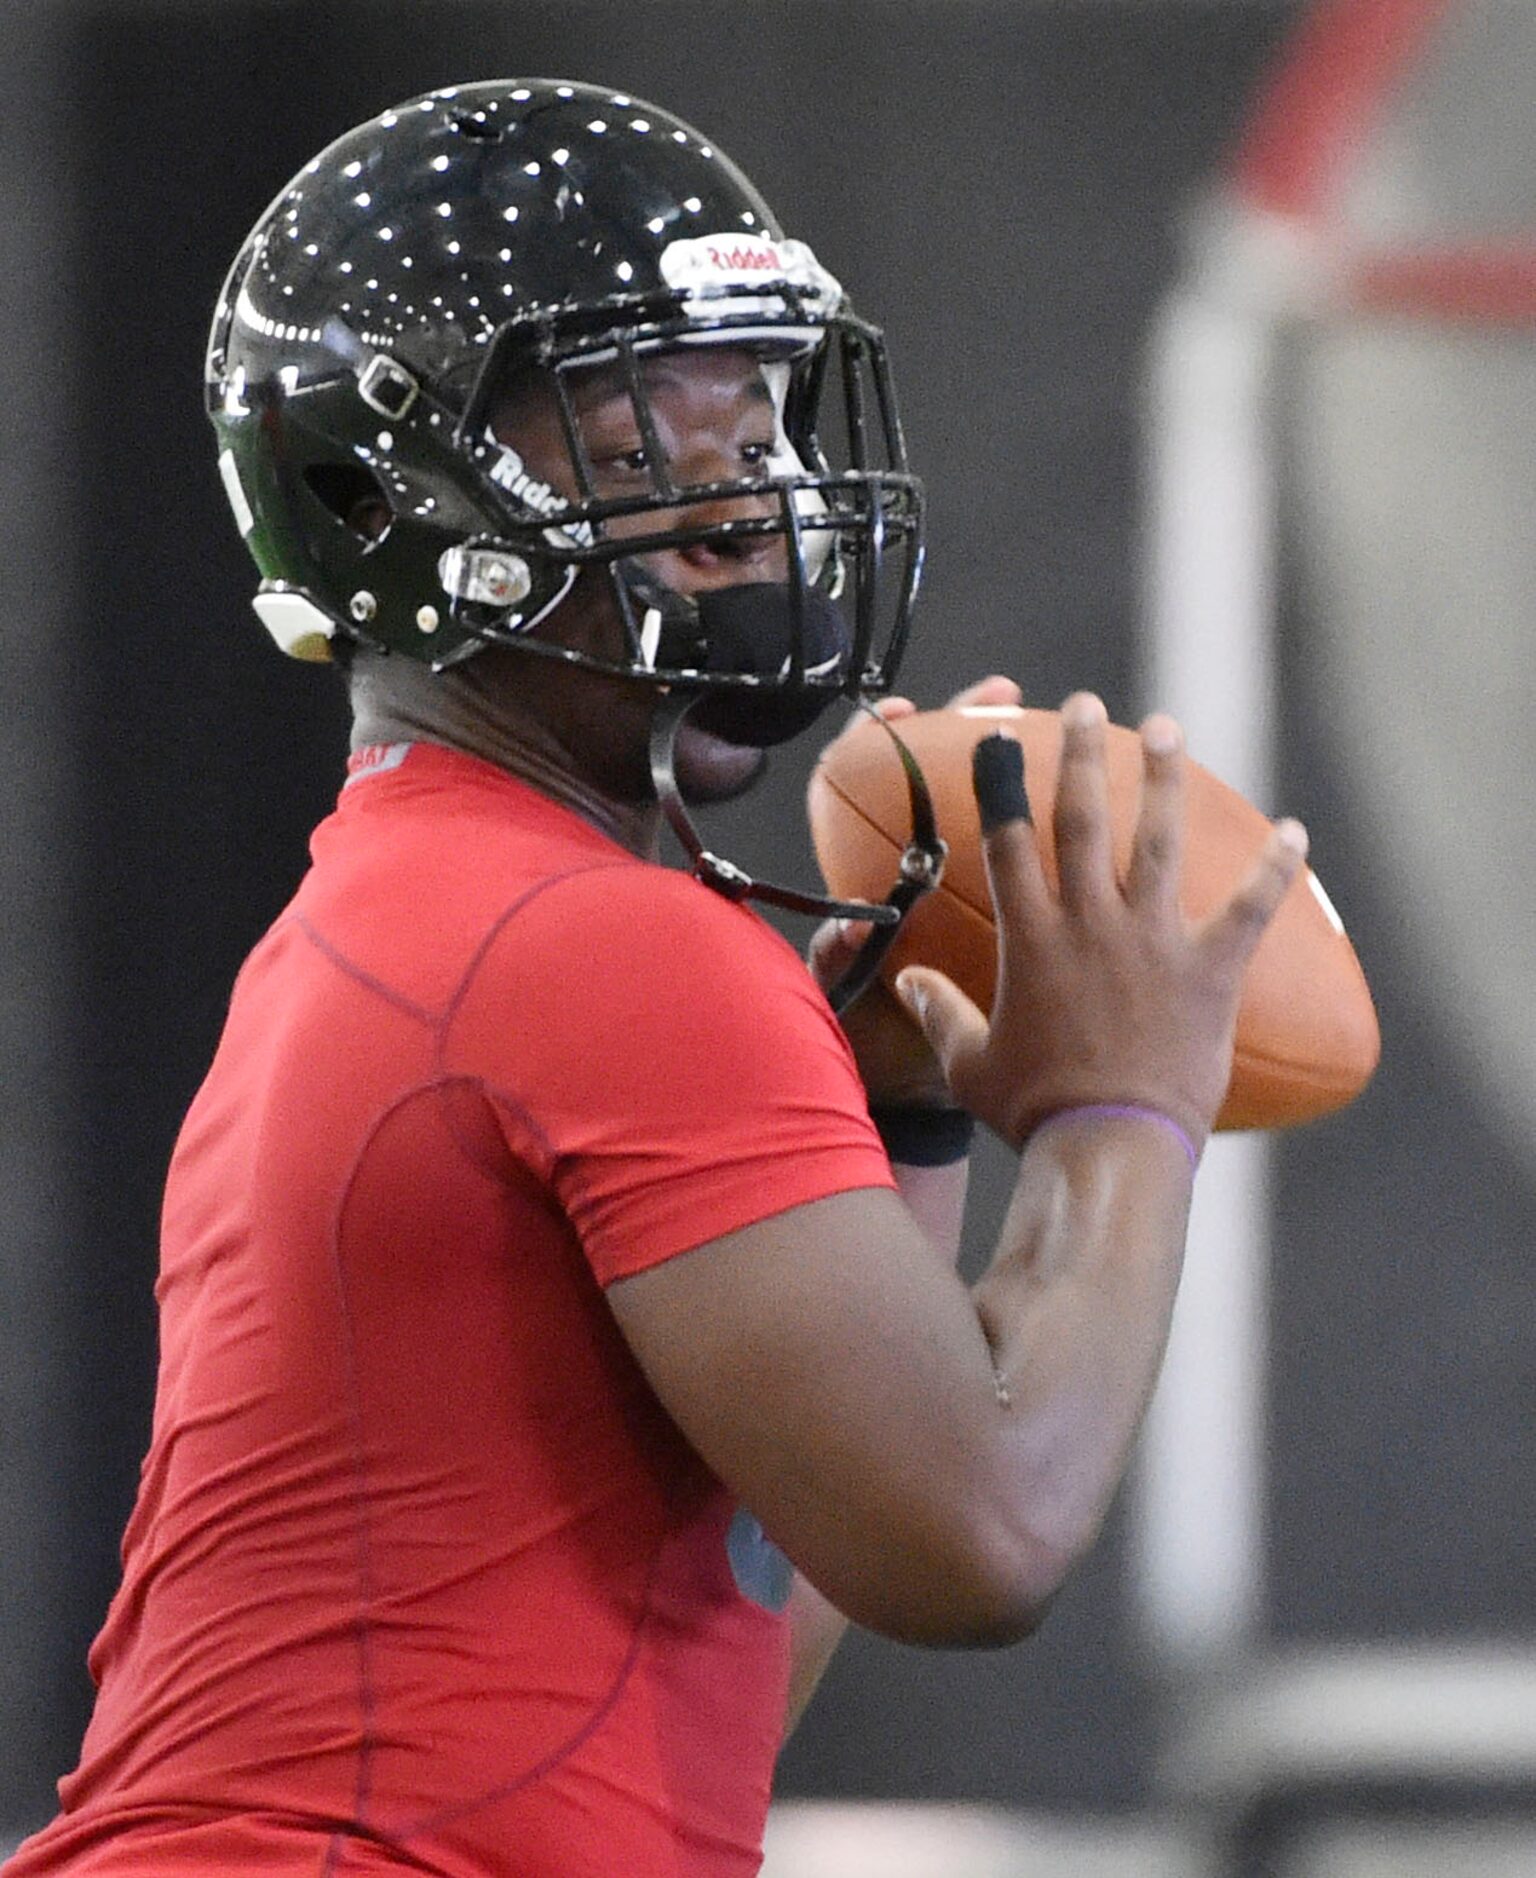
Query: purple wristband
x=1123, y=1111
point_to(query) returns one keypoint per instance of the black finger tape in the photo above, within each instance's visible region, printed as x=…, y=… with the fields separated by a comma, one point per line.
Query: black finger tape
x=997, y=774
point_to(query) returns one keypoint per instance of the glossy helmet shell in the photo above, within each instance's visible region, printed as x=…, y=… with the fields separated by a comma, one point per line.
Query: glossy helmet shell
x=468, y=234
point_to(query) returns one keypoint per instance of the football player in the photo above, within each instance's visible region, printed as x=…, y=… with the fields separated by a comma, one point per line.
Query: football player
x=560, y=1334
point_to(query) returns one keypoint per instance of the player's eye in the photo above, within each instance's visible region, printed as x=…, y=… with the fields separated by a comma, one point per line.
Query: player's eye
x=756, y=453
x=628, y=462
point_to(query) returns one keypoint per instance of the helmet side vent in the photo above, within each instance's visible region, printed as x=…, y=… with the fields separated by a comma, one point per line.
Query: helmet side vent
x=353, y=495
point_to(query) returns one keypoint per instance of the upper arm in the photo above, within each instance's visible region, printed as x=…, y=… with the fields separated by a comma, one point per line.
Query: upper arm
x=832, y=1371
x=665, y=1062
x=695, y=1110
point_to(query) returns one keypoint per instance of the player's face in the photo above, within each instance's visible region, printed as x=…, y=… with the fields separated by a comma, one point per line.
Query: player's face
x=715, y=421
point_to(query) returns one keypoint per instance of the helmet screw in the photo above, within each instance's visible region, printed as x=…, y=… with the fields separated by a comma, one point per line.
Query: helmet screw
x=363, y=606
x=506, y=579
x=426, y=619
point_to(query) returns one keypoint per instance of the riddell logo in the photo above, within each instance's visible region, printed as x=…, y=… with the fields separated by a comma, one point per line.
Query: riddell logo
x=705, y=266
x=744, y=260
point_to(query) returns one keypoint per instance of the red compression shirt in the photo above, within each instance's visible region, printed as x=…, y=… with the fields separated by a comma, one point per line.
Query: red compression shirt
x=421, y=1577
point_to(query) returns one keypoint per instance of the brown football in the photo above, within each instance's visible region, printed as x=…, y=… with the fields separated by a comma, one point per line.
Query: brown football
x=1307, y=1036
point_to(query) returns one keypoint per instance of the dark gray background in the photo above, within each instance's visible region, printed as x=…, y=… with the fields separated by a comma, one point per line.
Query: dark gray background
x=999, y=186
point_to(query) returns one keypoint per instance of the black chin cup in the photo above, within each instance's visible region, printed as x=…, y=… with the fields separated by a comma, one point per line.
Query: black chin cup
x=758, y=629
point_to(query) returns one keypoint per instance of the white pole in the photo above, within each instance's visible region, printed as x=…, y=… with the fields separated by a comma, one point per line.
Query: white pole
x=1199, y=1488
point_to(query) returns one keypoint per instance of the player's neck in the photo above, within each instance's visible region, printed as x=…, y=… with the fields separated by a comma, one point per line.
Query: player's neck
x=395, y=701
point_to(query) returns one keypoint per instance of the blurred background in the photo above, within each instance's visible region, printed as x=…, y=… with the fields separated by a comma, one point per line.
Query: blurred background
x=1214, y=326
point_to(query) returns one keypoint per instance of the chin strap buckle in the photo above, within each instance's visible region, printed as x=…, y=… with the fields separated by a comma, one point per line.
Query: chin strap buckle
x=724, y=876
x=922, y=866
x=485, y=576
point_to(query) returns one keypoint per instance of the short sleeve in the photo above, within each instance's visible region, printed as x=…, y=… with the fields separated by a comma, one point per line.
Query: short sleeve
x=670, y=1053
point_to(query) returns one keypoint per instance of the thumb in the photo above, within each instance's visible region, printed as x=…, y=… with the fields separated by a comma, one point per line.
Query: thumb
x=835, y=944
x=954, y=1026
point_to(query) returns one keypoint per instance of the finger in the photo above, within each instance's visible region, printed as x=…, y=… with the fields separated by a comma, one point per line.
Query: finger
x=1158, y=849
x=834, y=946
x=997, y=776
x=1084, y=853
x=955, y=1028
x=993, y=690
x=1231, y=934
x=1009, y=849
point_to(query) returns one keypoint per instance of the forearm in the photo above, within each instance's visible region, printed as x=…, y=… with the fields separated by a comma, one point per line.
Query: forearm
x=935, y=1197
x=1075, y=1308
x=816, y=1628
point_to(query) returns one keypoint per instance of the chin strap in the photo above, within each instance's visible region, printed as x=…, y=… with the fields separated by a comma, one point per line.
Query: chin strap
x=920, y=868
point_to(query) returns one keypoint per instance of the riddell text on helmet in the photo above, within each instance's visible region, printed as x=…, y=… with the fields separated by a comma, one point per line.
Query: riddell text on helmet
x=755, y=259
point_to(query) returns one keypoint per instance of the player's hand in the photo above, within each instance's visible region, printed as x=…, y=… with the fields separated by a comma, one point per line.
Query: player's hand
x=1104, y=993
x=897, y=1065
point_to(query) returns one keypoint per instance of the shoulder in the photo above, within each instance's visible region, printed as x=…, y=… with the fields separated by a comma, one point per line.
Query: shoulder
x=644, y=907
x=650, y=938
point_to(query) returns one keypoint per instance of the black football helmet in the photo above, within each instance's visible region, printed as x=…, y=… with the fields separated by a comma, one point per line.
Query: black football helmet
x=457, y=241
